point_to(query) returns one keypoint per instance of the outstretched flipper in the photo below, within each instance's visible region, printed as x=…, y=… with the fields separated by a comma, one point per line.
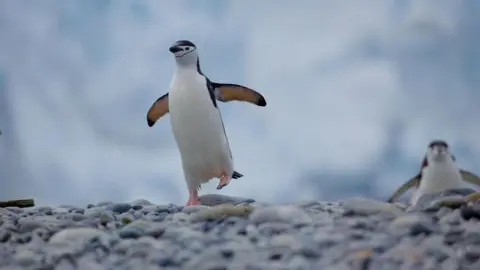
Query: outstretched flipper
x=470, y=177
x=158, y=109
x=226, y=92
x=473, y=197
x=413, y=182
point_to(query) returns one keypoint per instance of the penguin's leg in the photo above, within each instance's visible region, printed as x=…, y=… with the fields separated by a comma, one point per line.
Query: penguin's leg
x=193, y=198
x=193, y=184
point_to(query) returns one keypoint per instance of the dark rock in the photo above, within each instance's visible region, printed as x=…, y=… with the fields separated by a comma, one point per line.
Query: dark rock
x=121, y=208
x=470, y=211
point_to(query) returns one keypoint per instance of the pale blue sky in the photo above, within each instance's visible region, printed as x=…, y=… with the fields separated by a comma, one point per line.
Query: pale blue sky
x=355, y=91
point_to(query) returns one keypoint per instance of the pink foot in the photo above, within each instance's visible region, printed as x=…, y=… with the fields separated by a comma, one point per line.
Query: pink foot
x=193, y=198
x=223, y=181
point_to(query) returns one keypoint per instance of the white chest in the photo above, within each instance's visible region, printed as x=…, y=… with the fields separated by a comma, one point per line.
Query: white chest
x=194, y=118
x=440, y=177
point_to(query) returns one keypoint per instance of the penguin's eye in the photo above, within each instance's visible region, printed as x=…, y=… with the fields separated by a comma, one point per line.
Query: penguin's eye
x=187, y=48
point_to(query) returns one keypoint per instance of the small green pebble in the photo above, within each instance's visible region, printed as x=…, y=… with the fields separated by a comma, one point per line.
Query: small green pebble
x=126, y=220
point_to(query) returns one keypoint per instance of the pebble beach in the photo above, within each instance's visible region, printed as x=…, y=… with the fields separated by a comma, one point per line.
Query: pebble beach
x=442, y=232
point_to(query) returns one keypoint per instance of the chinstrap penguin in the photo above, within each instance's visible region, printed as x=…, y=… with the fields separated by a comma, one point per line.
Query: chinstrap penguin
x=438, y=173
x=196, y=121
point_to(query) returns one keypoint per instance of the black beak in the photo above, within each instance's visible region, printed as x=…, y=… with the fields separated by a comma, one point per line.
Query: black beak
x=175, y=49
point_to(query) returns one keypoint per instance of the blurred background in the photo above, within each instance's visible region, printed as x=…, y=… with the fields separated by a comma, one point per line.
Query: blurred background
x=355, y=91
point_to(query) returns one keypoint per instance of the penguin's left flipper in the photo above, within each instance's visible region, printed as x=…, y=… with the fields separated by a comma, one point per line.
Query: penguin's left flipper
x=413, y=182
x=226, y=92
x=158, y=109
x=473, y=197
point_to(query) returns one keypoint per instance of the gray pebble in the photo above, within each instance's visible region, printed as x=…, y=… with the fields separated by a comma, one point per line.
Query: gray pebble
x=106, y=217
x=283, y=213
x=193, y=208
x=217, y=199
x=120, y=208
x=79, y=236
x=362, y=206
x=414, y=224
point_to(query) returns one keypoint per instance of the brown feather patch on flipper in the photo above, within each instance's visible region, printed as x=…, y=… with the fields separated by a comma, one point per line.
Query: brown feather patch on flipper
x=413, y=182
x=226, y=92
x=470, y=177
x=158, y=109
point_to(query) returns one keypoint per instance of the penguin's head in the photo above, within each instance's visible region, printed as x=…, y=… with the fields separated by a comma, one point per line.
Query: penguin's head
x=438, y=151
x=185, y=52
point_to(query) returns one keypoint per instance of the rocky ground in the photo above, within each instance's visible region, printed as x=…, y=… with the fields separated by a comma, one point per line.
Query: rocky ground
x=443, y=232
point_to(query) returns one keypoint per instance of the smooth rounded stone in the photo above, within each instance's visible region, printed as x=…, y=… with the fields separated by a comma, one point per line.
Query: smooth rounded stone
x=29, y=225
x=221, y=211
x=5, y=235
x=94, y=213
x=156, y=209
x=299, y=263
x=183, y=235
x=282, y=213
x=193, y=208
x=413, y=224
x=211, y=258
x=364, y=207
x=26, y=258
x=443, y=211
x=80, y=236
x=452, y=218
x=217, y=199
x=14, y=209
x=470, y=253
x=179, y=217
x=76, y=210
x=135, y=229
x=471, y=235
x=434, y=246
x=155, y=217
x=34, y=222
x=453, y=235
x=120, y=208
x=104, y=203
x=317, y=205
x=274, y=228
x=143, y=247
x=326, y=239
x=141, y=202
x=60, y=210
x=106, y=217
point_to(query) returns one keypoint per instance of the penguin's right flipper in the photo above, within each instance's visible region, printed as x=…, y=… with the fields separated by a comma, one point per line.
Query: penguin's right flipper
x=470, y=177
x=158, y=109
x=226, y=92
x=413, y=182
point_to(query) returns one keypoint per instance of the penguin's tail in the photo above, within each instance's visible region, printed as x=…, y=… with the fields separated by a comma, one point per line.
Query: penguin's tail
x=236, y=175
